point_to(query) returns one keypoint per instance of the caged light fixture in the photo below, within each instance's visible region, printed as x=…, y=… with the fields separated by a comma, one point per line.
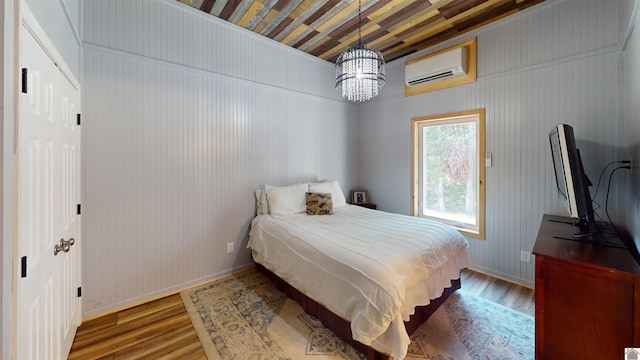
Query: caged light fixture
x=360, y=70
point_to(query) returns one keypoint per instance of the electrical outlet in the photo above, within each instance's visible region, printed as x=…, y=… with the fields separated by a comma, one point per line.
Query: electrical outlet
x=525, y=256
x=229, y=248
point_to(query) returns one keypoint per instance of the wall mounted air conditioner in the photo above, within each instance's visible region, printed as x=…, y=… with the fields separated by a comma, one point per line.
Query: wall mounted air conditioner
x=445, y=65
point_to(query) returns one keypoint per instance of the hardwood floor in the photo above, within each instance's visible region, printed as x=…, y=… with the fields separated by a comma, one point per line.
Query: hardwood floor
x=161, y=329
x=499, y=291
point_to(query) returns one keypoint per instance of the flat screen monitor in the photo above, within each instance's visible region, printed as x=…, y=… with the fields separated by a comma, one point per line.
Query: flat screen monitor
x=568, y=172
x=573, y=190
x=571, y=180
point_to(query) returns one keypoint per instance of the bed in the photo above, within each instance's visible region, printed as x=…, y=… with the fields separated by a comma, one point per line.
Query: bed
x=370, y=276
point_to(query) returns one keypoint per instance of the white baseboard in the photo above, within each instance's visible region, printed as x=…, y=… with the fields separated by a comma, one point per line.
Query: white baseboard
x=129, y=303
x=512, y=279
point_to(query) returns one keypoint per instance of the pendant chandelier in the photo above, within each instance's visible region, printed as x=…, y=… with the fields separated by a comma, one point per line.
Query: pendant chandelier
x=360, y=70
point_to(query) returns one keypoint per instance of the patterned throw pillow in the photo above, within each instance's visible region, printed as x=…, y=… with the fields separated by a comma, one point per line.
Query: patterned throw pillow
x=319, y=204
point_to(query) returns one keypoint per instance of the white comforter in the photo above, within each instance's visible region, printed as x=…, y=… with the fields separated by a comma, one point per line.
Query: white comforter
x=367, y=266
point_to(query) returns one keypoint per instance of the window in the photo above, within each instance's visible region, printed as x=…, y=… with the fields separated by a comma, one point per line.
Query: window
x=448, y=170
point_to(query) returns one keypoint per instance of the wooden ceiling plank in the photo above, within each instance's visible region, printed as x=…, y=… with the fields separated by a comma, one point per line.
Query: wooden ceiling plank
x=239, y=11
x=423, y=14
x=389, y=45
x=485, y=6
x=261, y=14
x=305, y=39
x=230, y=6
x=400, y=53
x=381, y=32
x=404, y=43
x=347, y=41
x=333, y=15
x=299, y=30
x=300, y=10
x=400, y=47
x=473, y=23
x=344, y=45
x=342, y=29
x=251, y=12
x=433, y=40
x=501, y=10
x=459, y=7
x=416, y=20
x=207, y=5
x=404, y=13
x=351, y=25
x=523, y=4
x=416, y=17
x=196, y=4
x=293, y=30
x=278, y=29
x=327, y=44
x=283, y=16
x=440, y=26
x=281, y=5
x=427, y=41
x=266, y=21
x=218, y=7
x=327, y=27
x=389, y=7
x=321, y=11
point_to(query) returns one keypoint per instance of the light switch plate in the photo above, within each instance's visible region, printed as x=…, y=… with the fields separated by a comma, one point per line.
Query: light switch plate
x=487, y=160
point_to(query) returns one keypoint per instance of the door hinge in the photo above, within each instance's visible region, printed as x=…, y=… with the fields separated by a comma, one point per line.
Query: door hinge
x=78, y=211
x=78, y=120
x=24, y=80
x=23, y=265
x=80, y=291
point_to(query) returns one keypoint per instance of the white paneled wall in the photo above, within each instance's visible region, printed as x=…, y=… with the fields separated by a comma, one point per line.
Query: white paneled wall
x=61, y=21
x=557, y=62
x=173, y=32
x=184, y=116
x=631, y=115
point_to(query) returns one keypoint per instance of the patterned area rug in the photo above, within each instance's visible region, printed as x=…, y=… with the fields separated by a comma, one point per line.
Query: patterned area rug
x=243, y=316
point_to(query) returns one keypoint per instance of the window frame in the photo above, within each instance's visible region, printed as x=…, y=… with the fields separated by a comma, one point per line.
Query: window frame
x=416, y=134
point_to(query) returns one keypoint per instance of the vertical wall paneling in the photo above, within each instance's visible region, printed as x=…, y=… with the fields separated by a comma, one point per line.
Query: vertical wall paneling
x=630, y=83
x=60, y=19
x=185, y=117
x=557, y=62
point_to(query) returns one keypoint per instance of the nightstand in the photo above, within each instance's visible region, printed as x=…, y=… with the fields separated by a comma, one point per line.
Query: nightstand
x=368, y=205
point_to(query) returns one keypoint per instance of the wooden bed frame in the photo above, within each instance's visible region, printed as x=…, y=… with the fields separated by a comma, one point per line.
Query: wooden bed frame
x=342, y=327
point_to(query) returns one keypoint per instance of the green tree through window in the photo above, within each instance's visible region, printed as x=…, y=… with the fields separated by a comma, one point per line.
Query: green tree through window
x=448, y=162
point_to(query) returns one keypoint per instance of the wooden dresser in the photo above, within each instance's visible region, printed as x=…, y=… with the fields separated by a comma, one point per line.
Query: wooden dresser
x=587, y=296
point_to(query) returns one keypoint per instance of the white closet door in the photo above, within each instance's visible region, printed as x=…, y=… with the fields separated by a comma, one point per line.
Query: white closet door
x=49, y=309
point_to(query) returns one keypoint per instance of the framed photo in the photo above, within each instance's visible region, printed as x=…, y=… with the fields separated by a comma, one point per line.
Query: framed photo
x=359, y=197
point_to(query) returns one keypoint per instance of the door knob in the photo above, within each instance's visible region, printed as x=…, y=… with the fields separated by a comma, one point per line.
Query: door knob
x=65, y=246
x=69, y=242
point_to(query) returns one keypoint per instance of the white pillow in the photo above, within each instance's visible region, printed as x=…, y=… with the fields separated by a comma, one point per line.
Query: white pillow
x=286, y=200
x=330, y=186
x=262, y=207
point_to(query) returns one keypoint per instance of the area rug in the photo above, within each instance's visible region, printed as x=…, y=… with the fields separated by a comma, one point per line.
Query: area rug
x=243, y=316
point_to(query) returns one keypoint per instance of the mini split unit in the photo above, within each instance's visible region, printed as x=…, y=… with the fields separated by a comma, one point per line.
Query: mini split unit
x=445, y=65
